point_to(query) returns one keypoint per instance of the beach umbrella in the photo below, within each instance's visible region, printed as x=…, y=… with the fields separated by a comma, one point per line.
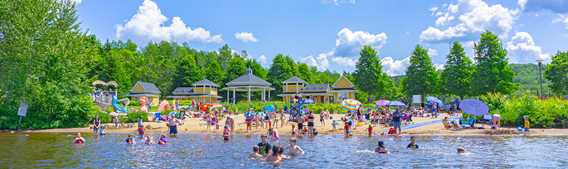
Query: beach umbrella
x=382, y=102
x=397, y=103
x=351, y=104
x=432, y=99
x=172, y=113
x=474, y=107
x=269, y=108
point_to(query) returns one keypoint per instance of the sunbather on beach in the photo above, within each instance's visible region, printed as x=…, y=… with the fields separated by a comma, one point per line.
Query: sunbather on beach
x=78, y=139
x=294, y=149
x=381, y=149
x=412, y=143
x=255, y=154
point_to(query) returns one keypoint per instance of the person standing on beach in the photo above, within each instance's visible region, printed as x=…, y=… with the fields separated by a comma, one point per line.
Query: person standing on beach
x=396, y=116
x=172, y=123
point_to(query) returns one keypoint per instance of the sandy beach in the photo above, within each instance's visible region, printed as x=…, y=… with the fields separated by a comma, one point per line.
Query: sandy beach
x=196, y=125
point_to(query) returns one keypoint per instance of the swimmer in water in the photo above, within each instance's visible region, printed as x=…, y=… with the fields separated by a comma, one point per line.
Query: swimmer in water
x=295, y=150
x=381, y=149
x=162, y=140
x=461, y=150
x=78, y=139
x=226, y=133
x=148, y=140
x=129, y=139
x=277, y=156
x=412, y=143
x=255, y=154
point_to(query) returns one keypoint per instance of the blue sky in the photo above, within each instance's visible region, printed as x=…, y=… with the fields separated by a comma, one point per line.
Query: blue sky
x=329, y=33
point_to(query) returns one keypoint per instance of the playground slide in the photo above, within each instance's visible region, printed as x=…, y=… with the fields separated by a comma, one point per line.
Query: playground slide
x=117, y=107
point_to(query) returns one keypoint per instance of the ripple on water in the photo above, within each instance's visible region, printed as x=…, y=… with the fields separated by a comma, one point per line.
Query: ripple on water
x=330, y=151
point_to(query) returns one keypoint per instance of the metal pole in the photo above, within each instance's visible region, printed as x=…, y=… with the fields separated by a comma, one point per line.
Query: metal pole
x=540, y=77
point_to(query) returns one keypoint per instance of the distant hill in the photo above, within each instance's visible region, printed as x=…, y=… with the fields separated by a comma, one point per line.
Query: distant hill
x=526, y=75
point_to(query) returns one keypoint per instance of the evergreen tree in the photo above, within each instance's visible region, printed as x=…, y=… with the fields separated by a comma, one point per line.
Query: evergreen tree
x=557, y=73
x=421, y=76
x=457, y=73
x=493, y=73
x=369, y=76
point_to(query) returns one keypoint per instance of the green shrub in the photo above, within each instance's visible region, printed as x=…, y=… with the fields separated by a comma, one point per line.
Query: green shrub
x=134, y=116
x=552, y=112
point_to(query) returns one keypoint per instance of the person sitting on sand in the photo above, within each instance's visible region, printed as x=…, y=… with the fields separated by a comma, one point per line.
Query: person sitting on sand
x=412, y=143
x=255, y=153
x=295, y=150
x=162, y=140
x=226, y=133
x=129, y=139
x=461, y=150
x=78, y=139
x=148, y=140
x=264, y=146
x=381, y=149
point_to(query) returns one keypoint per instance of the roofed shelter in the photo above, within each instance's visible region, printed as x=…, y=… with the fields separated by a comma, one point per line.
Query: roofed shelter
x=144, y=89
x=248, y=83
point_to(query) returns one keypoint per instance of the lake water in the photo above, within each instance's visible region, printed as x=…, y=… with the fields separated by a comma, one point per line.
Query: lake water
x=330, y=151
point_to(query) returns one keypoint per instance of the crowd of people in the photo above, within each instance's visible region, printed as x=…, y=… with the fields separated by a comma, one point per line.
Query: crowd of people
x=303, y=124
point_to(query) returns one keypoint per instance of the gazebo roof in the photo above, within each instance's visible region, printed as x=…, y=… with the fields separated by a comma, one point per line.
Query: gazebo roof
x=294, y=79
x=205, y=82
x=144, y=88
x=248, y=79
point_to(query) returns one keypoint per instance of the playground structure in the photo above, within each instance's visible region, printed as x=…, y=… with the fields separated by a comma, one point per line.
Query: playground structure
x=105, y=94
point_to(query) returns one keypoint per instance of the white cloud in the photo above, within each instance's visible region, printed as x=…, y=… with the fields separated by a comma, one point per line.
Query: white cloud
x=245, y=37
x=395, y=67
x=346, y=61
x=523, y=49
x=339, y=2
x=468, y=18
x=321, y=62
x=148, y=24
x=263, y=60
x=349, y=43
x=77, y=2
x=562, y=19
x=432, y=52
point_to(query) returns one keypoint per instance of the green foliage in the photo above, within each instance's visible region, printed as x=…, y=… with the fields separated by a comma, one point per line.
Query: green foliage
x=494, y=101
x=547, y=113
x=134, y=116
x=493, y=73
x=283, y=67
x=526, y=76
x=369, y=76
x=421, y=76
x=557, y=73
x=457, y=73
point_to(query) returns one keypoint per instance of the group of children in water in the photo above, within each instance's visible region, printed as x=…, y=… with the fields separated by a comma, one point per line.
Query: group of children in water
x=274, y=153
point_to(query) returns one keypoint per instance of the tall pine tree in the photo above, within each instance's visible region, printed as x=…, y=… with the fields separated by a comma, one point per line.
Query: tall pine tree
x=369, y=76
x=557, y=73
x=458, y=71
x=421, y=76
x=493, y=73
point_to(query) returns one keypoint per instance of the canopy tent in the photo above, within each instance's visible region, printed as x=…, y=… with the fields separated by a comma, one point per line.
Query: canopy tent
x=248, y=83
x=382, y=102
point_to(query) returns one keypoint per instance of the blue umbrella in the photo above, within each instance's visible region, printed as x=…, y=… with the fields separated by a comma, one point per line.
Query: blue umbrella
x=308, y=101
x=474, y=107
x=432, y=99
x=269, y=108
x=397, y=103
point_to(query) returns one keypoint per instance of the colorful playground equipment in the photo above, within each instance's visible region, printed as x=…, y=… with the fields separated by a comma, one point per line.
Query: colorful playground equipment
x=116, y=105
